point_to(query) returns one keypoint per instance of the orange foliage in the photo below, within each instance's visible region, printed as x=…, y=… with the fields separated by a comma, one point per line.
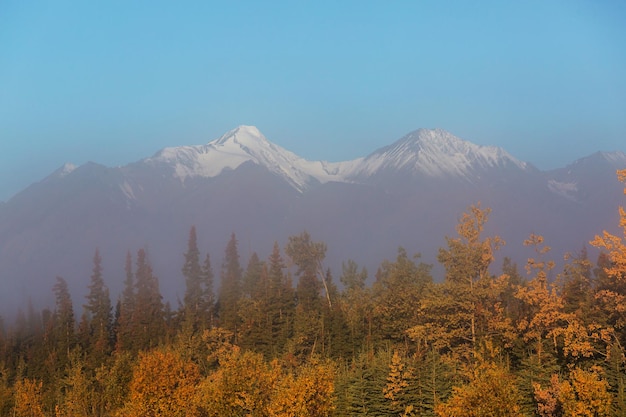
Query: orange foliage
x=28, y=401
x=491, y=391
x=615, y=245
x=163, y=384
x=309, y=394
x=584, y=395
x=242, y=385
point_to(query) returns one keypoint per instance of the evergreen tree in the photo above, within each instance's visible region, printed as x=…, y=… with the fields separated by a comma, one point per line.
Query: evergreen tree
x=98, y=308
x=396, y=389
x=512, y=305
x=6, y=396
x=125, y=338
x=192, y=272
x=362, y=385
x=230, y=290
x=253, y=310
x=356, y=304
x=148, y=315
x=251, y=285
x=208, y=295
x=77, y=398
x=281, y=302
x=433, y=378
x=64, y=322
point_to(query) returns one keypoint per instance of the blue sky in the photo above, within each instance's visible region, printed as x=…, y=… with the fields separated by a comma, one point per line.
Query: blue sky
x=115, y=81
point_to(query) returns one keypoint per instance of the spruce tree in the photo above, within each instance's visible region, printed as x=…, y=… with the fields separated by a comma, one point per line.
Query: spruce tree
x=208, y=294
x=98, y=308
x=125, y=339
x=148, y=318
x=254, y=309
x=281, y=302
x=64, y=322
x=251, y=287
x=192, y=271
x=356, y=304
x=230, y=289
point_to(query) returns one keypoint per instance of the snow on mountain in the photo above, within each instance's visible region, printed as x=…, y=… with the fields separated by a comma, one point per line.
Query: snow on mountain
x=579, y=179
x=564, y=189
x=615, y=158
x=246, y=143
x=436, y=153
x=63, y=171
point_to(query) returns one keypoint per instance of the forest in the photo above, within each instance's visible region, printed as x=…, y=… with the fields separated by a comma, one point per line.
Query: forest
x=283, y=336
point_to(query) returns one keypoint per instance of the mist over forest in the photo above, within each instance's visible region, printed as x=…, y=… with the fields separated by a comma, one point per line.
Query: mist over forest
x=286, y=336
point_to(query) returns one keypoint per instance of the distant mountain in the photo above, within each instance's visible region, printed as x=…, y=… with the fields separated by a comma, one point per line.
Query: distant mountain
x=582, y=180
x=410, y=193
x=435, y=153
x=240, y=145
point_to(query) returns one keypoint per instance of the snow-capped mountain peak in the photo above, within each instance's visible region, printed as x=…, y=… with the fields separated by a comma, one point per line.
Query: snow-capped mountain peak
x=615, y=157
x=436, y=153
x=243, y=144
x=243, y=135
x=65, y=170
x=431, y=152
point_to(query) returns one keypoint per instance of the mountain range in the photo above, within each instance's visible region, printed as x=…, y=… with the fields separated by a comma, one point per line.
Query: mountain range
x=410, y=193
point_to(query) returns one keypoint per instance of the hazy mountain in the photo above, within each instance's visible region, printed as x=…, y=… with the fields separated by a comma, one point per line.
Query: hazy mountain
x=410, y=193
x=240, y=145
x=435, y=153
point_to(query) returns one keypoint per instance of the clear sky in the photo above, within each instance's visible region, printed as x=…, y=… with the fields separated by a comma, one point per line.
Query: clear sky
x=115, y=81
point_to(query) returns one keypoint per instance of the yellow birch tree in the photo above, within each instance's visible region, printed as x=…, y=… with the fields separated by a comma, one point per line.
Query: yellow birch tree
x=612, y=296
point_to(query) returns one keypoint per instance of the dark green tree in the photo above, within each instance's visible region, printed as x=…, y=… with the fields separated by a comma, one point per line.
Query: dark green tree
x=251, y=285
x=125, y=339
x=335, y=329
x=99, y=311
x=281, y=304
x=148, y=315
x=192, y=309
x=254, y=309
x=208, y=294
x=62, y=338
x=356, y=304
x=230, y=289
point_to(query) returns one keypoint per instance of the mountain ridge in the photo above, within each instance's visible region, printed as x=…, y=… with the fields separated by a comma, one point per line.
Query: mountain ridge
x=52, y=227
x=436, y=153
x=429, y=152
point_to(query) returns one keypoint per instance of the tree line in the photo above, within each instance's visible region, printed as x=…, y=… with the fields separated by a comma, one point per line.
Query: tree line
x=279, y=337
